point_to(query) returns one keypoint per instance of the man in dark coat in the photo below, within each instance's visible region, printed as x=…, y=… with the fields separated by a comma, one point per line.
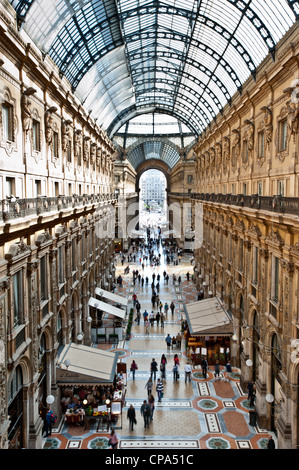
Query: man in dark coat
x=131, y=415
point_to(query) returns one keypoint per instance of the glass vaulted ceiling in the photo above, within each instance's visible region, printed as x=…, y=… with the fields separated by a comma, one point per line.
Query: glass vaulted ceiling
x=183, y=58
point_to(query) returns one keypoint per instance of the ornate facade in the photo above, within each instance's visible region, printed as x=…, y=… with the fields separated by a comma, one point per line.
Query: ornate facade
x=56, y=180
x=247, y=183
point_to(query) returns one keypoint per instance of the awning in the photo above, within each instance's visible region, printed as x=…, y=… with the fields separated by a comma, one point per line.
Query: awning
x=208, y=317
x=111, y=296
x=87, y=365
x=118, y=312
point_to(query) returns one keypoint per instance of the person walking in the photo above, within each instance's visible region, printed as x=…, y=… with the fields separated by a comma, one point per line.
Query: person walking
x=158, y=318
x=131, y=415
x=50, y=419
x=175, y=371
x=250, y=389
x=145, y=411
x=113, y=441
x=147, y=327
x=149, y=386
x=166, y=308
x=204, y=367
x=228, y=369
x=162, y=319
x=154, y=368
x=159, y=390
x=163, y=366
x=271, y=443
x=179, y=341
x=168, y=341
x=151, y=402
x=133, y=369
x=188, y=370
x=217, y=370
x=172, y=307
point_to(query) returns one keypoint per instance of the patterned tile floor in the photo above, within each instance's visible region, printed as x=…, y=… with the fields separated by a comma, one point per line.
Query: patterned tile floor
x=202, y=414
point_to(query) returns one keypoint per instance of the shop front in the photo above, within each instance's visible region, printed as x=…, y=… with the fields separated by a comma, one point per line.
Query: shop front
x=209, y=331
x=90, y=386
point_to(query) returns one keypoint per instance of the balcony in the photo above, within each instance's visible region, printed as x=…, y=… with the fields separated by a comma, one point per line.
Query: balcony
x=15, y=208
x=277, y=203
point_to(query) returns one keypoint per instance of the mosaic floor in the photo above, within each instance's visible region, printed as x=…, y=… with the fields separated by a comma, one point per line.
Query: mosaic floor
x=203, y=414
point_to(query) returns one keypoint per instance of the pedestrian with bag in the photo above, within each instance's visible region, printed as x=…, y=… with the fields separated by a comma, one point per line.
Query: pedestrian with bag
x=133, y=369
x=131, y=415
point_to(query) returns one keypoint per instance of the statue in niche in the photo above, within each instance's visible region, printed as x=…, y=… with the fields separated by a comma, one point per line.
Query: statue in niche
x=247, y=143
x=49, y=127
x=99, y=155
x=235, y=148
x=292, y=106
x=93, y=153
x=212, y=157
x=267, y=124
x=26, y=110
x=86, y=149
x=26, y=114
x=77, y=143
x=66, y=134
x=218, y=156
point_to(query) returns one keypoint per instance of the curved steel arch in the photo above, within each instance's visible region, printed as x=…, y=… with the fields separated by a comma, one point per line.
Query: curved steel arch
x=202, y=19
x=132, y=111
x=193, y=62
x=191, y=78
x=193, y=16
x=186, y=87
x=204, y=47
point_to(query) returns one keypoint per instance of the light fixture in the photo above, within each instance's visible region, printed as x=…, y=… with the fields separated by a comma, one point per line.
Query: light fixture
x=249, y=362
x=80, y=337
x=89, y=319
x=269, y=398
x=50, y=399
x=235, y=337
x=67, y=363
x=107, y=402
x=85, y=402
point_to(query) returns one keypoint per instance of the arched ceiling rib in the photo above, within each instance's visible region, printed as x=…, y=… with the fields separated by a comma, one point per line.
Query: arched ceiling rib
x=181, y=57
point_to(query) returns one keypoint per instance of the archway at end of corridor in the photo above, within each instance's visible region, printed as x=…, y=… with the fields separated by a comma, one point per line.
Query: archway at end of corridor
x=152, y=189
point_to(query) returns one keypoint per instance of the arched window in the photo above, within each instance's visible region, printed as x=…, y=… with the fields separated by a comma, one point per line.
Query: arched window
x=59, y=331
x=15, y=410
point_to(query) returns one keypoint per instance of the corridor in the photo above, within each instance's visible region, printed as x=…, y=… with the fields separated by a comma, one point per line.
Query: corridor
x=203, y=414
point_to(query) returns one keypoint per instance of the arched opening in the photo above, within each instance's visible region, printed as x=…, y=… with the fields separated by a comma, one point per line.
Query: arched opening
x=42, y=379
x=15, y=410
x=152, y=199
x=276, y=367
x=255, y=348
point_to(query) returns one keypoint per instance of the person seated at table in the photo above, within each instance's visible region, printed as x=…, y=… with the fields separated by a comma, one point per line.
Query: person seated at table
x=82, y=393
x=71, y=405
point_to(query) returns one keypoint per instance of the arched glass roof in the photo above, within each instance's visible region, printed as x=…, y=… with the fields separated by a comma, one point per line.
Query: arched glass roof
x=184, y=58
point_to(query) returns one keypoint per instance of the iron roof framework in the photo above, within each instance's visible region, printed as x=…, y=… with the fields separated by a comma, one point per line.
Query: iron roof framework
x=184, y=58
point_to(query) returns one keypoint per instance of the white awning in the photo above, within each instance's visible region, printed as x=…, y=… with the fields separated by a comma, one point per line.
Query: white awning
x=208, y=317
x=118, y=312
x=111, y=296
x=79, y=364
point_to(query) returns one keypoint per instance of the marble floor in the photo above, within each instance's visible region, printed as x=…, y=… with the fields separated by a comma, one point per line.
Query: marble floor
x=203, y=414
